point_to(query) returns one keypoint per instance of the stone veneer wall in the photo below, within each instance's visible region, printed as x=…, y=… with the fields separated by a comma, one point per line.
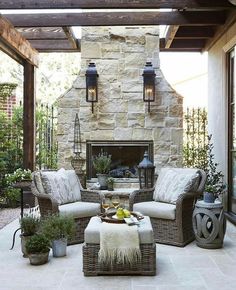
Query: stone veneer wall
x=120, y=54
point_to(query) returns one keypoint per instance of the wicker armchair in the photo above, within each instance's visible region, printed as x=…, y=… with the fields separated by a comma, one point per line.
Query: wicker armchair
x=48, y=204
x=176, y=230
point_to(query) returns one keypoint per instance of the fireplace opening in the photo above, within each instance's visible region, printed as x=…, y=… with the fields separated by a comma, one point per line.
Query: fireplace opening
x=125, y=156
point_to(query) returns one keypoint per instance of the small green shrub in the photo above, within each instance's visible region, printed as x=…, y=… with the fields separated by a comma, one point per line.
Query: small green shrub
x=12, y=196
x=102, y=163
x=29, y=225
x=55, y=227
x=37, y=244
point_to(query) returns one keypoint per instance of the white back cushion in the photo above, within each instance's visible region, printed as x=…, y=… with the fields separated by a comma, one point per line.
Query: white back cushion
x=172, y=182
x=74, y=184
x=56, y=184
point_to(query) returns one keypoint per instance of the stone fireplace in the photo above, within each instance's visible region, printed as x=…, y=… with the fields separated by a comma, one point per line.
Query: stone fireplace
x=121, y=123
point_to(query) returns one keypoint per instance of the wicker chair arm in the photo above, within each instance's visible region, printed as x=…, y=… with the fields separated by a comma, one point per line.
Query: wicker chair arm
x=140, y=195
x=185, y=204
x=47, y=203
x=91, y=196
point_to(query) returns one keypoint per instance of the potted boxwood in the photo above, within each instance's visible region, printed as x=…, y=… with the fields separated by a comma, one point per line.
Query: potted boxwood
x=58, y=229
x=29, y=226
x=38, y=247
x=110, y=183
x=101, y=164
x=215, y=185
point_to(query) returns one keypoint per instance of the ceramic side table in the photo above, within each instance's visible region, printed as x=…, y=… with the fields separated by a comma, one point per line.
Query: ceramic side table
x=209, y=224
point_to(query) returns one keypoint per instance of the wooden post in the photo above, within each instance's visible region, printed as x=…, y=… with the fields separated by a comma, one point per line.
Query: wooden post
x=29, y=117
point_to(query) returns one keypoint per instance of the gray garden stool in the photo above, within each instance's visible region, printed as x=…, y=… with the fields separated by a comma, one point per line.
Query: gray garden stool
x=209, y=224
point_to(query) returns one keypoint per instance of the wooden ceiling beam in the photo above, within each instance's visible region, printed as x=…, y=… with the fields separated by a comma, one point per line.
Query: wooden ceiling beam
x=42, y=33
x=185, y=32
x=187, y=44
x=16, y=42
x=118, y=18
x=110, y=4
x=59, y=45
x=170, y=35
x=71, y=37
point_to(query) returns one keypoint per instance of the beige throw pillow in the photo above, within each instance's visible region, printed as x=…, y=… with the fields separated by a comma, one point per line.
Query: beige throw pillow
x=173, y=182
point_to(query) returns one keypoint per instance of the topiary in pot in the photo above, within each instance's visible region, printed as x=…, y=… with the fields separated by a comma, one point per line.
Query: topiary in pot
x=38, y=247
x=29, y=226
x=101, y=164
x=58, y=229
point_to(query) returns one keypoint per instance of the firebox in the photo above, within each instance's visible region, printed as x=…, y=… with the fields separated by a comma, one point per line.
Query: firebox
x=125, y=156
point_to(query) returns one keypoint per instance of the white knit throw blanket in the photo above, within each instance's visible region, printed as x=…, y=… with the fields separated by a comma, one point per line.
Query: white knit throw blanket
x=119, y=243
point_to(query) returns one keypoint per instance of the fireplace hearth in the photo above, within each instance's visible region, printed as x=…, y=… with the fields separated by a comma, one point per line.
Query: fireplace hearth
x=125, y=156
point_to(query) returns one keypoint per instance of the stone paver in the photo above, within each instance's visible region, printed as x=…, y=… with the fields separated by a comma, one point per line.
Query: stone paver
x=188, y=268
x=7, y=215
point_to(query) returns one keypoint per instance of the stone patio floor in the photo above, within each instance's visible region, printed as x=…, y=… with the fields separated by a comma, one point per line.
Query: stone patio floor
x=188, y=268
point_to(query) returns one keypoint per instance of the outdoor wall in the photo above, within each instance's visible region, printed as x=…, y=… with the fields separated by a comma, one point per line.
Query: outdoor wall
x=217, y=101
x=120, y=54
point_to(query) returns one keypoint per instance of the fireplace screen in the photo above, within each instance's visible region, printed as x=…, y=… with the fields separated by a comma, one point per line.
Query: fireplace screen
x=125, y=156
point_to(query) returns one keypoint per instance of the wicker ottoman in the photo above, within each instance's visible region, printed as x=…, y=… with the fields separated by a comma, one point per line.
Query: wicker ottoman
x=91, y=266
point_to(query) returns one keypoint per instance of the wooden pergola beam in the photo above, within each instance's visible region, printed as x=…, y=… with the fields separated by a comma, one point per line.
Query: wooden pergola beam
x=42, y=33
x=55, y=45
x=119, y=18
x=181, y=44
x=110, y=4
x=170, y=35
x=16, y=42
x=195, y=32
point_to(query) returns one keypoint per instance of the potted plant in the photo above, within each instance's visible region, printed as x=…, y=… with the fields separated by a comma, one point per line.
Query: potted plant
x=38, y=247
x=29, y=226
x=215, y=185
x=20, y=176
x=101, y=164
x=58, y=229
x=110, y=183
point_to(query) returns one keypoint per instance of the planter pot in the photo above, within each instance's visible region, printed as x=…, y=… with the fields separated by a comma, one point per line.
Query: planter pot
x=110, y=187
x=102, y=179
x=23, y=243
x=39, y=258
x=59, y=247
x=208, y=197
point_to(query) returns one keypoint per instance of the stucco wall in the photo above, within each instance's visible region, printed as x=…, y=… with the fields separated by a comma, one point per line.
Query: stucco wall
x=217, y=101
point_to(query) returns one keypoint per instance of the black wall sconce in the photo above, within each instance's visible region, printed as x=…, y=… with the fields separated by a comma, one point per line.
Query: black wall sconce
x=91, y=84
x=149, y=84
x=146, y=171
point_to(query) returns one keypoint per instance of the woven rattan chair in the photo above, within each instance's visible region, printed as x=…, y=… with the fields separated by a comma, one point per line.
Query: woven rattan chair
x=49, y=205
x=175, y=227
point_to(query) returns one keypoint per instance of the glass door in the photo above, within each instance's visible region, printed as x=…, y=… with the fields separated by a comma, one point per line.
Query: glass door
x=232, y=131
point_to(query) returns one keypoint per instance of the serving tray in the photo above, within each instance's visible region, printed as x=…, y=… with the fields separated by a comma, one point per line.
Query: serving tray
x=109, y=218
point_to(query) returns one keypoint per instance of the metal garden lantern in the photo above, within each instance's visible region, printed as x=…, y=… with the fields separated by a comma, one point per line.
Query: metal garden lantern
x=146, y=171
x=91, y=84
x=77, y=161
x=149, y=84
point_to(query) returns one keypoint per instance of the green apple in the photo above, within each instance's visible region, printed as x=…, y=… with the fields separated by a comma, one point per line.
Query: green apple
x=120, y=213
x=127, y=213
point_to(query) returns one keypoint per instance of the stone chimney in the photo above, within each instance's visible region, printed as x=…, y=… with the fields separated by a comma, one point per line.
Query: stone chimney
x=120, y=54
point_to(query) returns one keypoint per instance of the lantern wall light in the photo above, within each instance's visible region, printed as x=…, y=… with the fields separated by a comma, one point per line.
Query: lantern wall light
x=91, y=84
x=149, y=84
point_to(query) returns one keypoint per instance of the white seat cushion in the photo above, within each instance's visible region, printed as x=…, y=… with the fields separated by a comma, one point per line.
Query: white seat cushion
x=156, y=209
x=92, y=231
x=172, y=182
x=80, y=209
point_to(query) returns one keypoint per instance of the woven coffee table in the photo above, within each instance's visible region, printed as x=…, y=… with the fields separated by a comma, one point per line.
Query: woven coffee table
x=91, y=247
